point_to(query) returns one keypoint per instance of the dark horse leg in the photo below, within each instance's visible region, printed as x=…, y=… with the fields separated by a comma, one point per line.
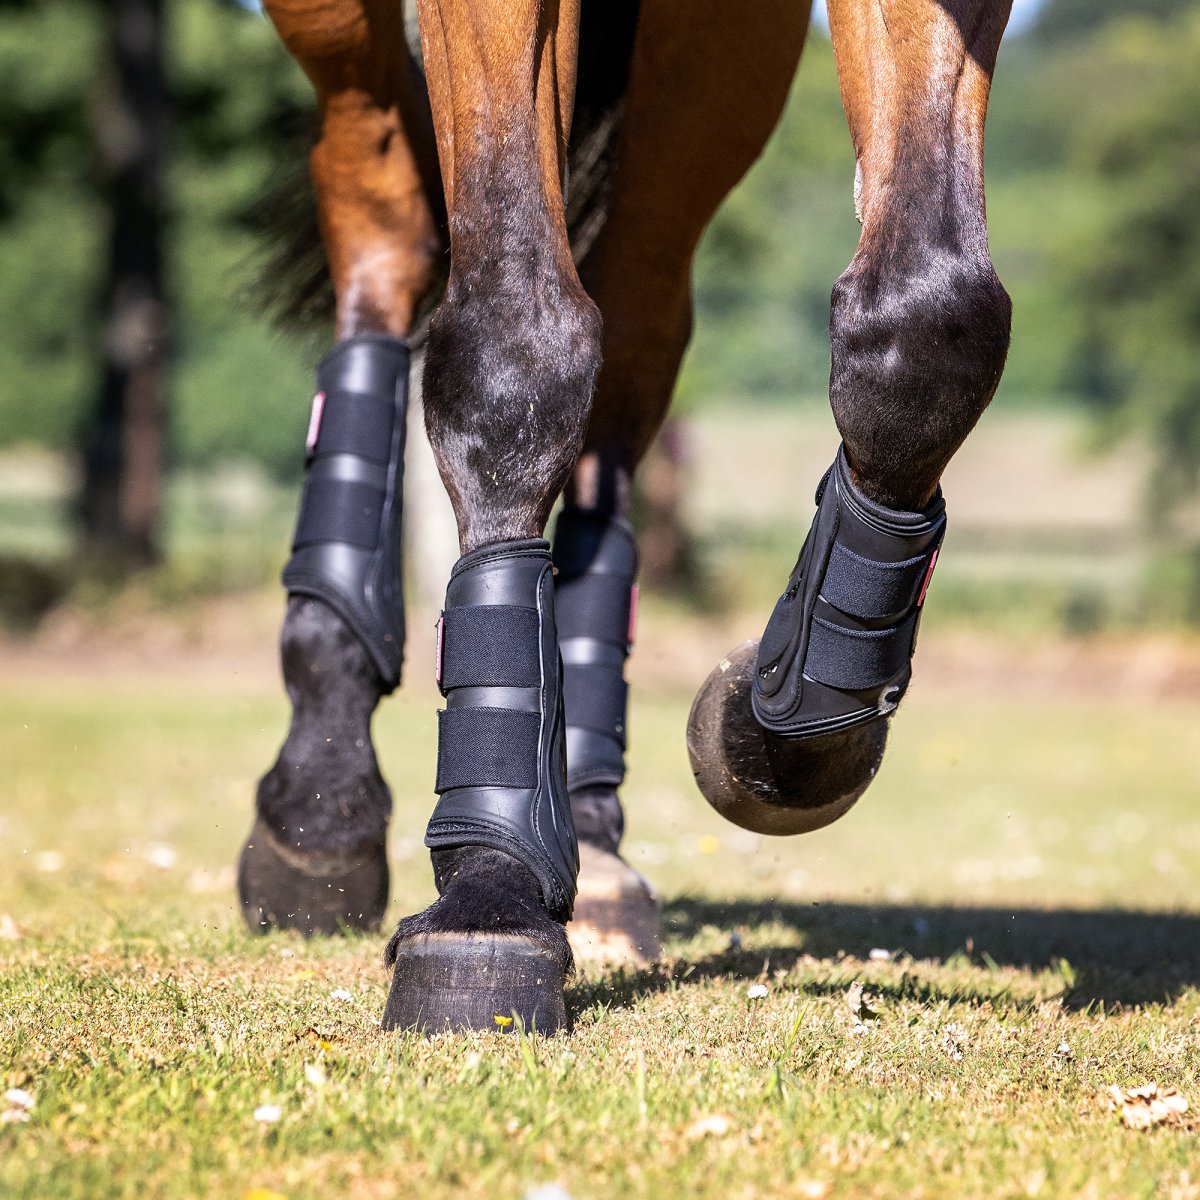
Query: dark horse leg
x=315, y=859
x=707, y=85
x=511, y=363
x=786, y=734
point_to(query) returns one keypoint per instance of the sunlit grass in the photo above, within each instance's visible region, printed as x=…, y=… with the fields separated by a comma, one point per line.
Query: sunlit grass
x=1031, y=871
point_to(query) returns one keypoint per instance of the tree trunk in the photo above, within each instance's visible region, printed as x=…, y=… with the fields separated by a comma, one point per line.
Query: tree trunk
x=664, y=542
x=124, y=445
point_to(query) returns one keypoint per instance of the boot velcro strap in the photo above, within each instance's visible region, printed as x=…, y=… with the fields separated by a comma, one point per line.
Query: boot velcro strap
x=595, y=604
x=354, y=423
x=871, y=590
x=343, y=498
x=487, y=747
x=855, y=659
x=489, y=645
x=339, y=510
x=595, y=697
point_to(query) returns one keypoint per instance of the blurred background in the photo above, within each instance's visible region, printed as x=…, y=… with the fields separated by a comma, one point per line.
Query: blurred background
x=139, y=137
x=147, y=498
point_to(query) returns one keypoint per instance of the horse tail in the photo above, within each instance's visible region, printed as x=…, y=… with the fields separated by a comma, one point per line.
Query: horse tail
x=292, y=282
x=607, y=30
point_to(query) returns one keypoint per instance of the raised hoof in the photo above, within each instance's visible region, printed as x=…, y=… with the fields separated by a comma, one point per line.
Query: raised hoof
x=617, y=917
x=766, y=783
x=459, y=981
x=283, y=887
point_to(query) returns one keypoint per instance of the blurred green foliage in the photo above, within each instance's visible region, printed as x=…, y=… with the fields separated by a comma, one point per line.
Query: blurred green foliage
x=1093, y=167
x=1138, y=281
x=240, y=109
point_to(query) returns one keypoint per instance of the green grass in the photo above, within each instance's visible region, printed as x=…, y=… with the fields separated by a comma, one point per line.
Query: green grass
x=1032, y=869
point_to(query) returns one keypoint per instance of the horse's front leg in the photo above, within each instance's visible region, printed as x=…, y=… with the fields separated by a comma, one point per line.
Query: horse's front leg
x=787, y=733
x=315, y=859
x=511, y=362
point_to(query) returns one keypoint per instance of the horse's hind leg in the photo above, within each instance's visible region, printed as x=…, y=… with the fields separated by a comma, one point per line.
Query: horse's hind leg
x=707, y=83
x=788, y=733
x=510, y=366
x=315, y=859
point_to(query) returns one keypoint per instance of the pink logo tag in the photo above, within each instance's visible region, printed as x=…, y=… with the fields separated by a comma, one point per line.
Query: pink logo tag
x=633, y=606
x=928, y=577
x=437, y=668
x=314, y=424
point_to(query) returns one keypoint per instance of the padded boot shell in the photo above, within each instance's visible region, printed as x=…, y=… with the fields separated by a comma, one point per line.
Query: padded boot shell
x=346, y=550
x=595, y=558
x=502, y=785
x=501, y=748
x=836, y=652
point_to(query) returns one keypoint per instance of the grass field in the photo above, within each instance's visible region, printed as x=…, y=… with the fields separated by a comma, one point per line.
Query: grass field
x=1032, y=870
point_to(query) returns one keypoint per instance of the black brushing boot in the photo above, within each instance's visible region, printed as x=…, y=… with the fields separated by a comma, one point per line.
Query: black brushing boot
x=617, y=915
x=491, y=951
x=786, y=734
x=316, y=858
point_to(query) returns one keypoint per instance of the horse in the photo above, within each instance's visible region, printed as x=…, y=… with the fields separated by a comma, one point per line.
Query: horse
x=526, y=192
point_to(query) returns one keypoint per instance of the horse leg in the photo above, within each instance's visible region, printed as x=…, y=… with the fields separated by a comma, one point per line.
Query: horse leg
x=510, y=367
x=316, y=859
x=786, y=734
x=707, y=84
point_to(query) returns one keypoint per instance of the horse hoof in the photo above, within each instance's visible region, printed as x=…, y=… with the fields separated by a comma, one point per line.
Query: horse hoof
x=284, y=887
x=617, y=919
x=765, y=783
x=462, y=981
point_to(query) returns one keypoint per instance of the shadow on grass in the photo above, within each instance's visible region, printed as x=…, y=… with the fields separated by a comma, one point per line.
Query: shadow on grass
x=1112, y=956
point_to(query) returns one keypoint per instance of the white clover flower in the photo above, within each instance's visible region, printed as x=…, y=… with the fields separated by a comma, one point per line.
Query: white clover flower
x=19, y=1103
x=548, y=1191
x=268, y=1114
x=162, y=857
x=757, y=991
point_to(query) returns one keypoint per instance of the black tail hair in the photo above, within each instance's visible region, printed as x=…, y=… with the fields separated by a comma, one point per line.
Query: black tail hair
x=293, y=281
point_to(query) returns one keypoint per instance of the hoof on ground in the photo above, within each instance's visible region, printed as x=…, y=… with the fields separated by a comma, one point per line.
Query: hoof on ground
x=766, y=783
x=617, y=918
x=283, y=887
x=464, y=981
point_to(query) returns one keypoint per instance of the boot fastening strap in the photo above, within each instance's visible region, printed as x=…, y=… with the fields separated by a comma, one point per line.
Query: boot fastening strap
x=596, y=562
x=346, y=551
x=501, y=773
x=836, y=652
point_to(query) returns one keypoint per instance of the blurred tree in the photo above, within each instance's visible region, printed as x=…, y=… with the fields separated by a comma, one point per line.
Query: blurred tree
x=121, y=497
x=1062, y=20
x=1137, y=274
x=80, y=145
x=666, y=550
